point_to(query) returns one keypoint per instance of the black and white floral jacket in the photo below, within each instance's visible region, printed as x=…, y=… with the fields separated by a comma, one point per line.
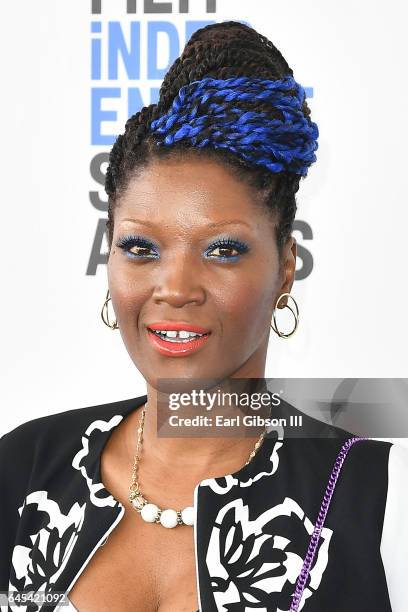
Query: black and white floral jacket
x=252, y=528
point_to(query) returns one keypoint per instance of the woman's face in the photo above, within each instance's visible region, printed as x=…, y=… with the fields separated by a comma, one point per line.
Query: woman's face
x=167, y=264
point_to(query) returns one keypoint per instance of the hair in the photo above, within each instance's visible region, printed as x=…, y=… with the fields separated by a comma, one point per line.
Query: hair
x=221, y=51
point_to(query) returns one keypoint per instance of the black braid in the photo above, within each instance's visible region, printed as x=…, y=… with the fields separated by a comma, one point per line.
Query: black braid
x=221, y=51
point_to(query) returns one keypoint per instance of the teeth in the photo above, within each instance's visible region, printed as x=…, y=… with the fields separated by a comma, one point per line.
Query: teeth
x=182, y=334
x=186, y=334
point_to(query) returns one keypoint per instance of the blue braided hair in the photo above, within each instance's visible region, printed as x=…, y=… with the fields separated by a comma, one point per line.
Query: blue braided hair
x=230, y=96
x=206, y=113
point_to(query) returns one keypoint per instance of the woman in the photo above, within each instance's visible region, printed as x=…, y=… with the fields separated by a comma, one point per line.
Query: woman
x=201, y=205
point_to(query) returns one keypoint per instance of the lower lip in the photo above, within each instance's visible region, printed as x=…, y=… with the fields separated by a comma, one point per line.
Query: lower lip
x=176, y=349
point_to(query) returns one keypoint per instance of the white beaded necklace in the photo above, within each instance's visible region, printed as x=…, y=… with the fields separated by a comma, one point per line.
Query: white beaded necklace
x=150, y=512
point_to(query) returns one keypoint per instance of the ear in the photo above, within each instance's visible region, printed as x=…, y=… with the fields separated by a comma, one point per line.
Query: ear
x=288, y=269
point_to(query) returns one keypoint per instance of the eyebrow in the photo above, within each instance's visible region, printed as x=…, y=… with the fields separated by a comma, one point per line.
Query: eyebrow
x=210, y=225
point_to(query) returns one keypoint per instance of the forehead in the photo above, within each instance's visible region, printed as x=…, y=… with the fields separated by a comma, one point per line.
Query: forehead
x=188, y=188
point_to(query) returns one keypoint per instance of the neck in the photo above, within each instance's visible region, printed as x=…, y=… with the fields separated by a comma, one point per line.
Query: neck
x=194, y=454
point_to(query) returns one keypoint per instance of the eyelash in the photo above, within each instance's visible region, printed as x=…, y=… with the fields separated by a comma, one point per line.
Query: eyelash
x=127, y=242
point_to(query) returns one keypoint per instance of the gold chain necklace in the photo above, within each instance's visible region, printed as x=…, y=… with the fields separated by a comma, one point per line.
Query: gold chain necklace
x=150, y=512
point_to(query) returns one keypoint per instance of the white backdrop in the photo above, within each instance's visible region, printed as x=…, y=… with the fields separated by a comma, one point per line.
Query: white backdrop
x=56, y=354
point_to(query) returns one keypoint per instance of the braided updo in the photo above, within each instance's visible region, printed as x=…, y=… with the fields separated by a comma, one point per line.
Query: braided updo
x=220, y=51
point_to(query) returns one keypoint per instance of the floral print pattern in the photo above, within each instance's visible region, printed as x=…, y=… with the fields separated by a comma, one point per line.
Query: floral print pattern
x=37, y=563
x=254, y=564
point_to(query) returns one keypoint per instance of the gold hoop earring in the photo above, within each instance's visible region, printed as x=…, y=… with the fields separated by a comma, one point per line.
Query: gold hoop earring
x=295, y=314
x=105, y=313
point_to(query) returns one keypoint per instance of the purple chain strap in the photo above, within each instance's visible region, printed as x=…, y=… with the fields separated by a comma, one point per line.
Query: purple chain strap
x=314, y=540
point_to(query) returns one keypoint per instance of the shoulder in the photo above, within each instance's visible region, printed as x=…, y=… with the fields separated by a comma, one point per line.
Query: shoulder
x=322, y=443
x=61, y=424
x=366, y=462
x=35, y=443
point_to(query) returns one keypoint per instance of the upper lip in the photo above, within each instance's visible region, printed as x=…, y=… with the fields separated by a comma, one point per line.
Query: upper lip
x=177, y=326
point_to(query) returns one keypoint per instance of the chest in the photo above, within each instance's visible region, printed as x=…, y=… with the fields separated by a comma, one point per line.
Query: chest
x=140, y=567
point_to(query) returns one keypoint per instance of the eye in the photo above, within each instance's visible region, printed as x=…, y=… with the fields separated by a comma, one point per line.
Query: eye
x=137, y=247
x=227, y=249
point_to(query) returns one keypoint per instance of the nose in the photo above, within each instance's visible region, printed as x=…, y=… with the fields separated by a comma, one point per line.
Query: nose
x=178, y=283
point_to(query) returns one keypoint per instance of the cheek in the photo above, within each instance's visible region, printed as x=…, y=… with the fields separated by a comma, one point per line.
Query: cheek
x=128, y=290
x=246, y=306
